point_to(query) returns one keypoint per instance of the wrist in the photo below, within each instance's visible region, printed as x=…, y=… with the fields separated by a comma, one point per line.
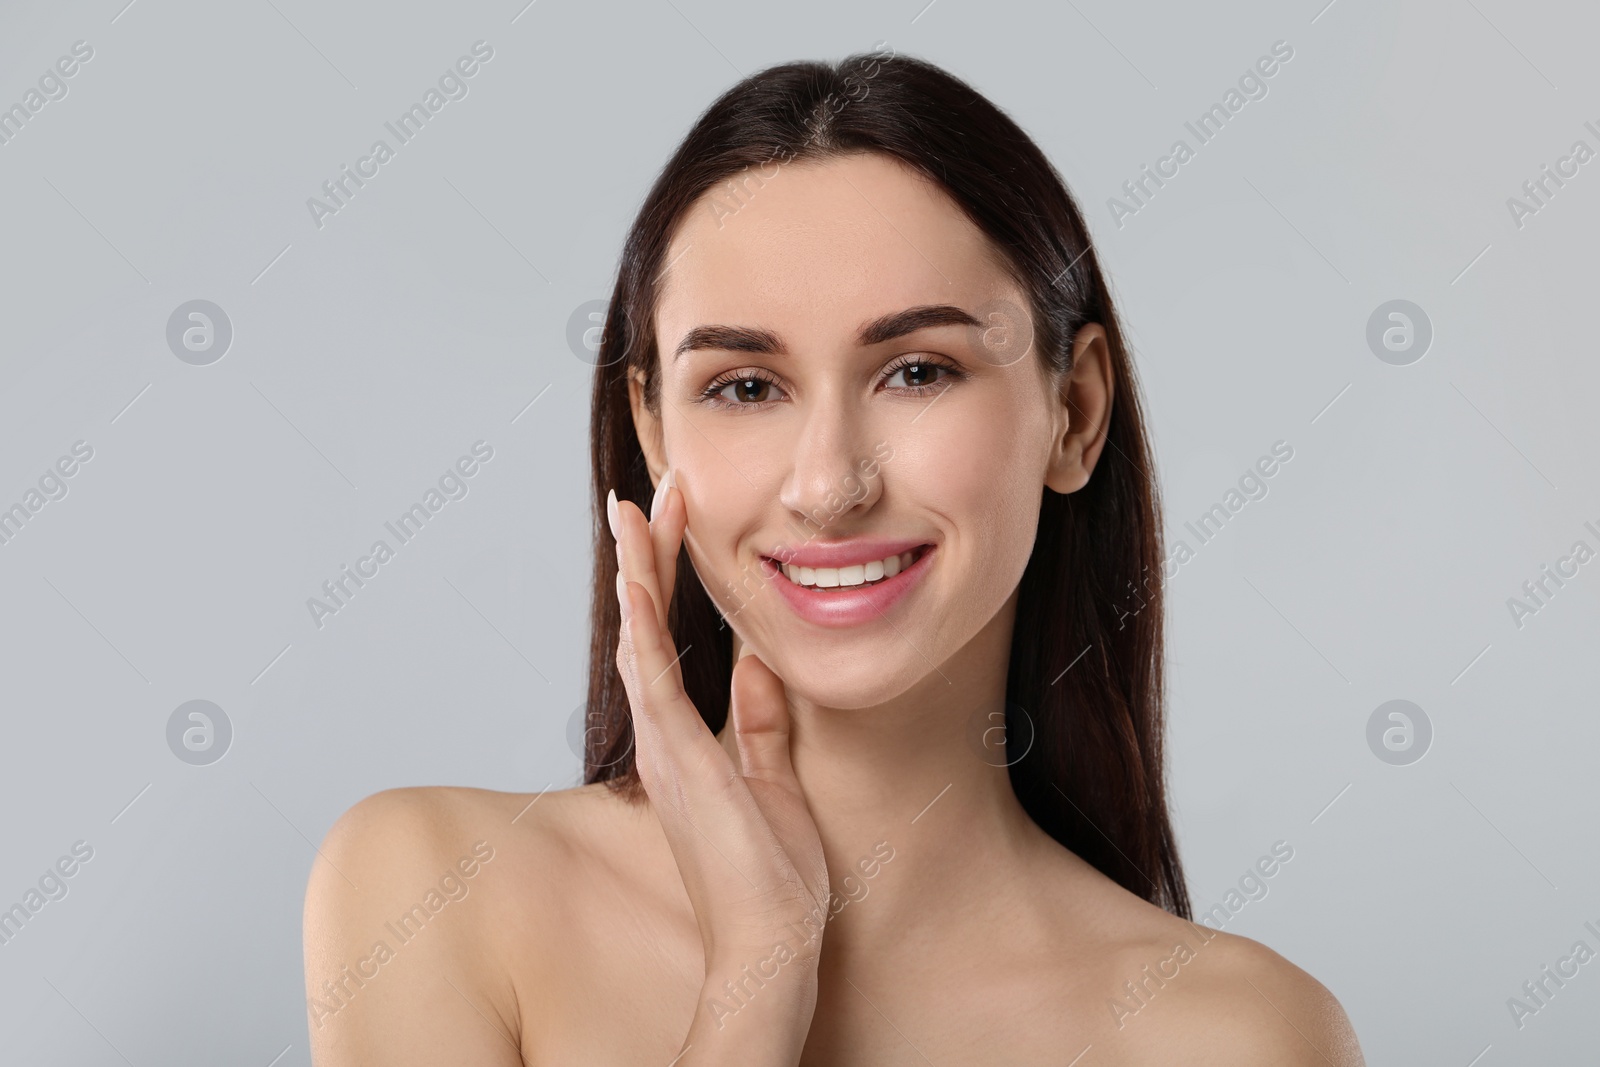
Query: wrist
x=765, y=951
x=773, y=982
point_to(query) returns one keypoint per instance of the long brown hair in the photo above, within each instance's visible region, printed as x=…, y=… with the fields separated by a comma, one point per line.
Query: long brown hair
x=1085, y=683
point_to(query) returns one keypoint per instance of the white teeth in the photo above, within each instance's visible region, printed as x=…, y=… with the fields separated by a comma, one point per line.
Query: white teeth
x=849, y=577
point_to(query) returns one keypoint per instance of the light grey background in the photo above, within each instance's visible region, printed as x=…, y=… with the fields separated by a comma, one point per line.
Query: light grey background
x=433, y=309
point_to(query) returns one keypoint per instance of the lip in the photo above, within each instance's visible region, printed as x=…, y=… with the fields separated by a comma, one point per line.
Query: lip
x=842, y=609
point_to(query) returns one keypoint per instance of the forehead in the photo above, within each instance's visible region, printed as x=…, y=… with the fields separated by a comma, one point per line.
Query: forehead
x=812, y=250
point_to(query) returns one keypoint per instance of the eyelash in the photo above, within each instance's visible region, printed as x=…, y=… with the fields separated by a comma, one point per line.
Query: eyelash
x=710, y=398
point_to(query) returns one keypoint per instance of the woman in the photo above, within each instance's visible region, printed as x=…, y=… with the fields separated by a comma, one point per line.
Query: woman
x=874, y=765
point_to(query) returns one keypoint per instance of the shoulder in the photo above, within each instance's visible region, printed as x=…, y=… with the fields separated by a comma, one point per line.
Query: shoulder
x=414, y=830
x=1167, y=989
x=399, y=826
x=1226, y=999
x=446, y=843
x=1291, y=1017
x=401, y=842
x=405, y=908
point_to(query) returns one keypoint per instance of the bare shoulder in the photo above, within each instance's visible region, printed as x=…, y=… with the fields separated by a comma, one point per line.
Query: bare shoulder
x=410, y=906
x=1285, y=1015
x=1220, y=998
x=396, y=824
x=1163, y=989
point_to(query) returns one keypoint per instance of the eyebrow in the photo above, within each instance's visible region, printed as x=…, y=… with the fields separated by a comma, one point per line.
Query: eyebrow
x=884, y=328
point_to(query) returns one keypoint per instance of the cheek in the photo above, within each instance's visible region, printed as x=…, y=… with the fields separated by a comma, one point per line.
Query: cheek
x=984, y=454
x=985, y=473
x=722, y=508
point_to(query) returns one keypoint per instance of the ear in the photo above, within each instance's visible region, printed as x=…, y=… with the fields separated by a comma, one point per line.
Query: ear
x=647, y=427
x=1084, y=412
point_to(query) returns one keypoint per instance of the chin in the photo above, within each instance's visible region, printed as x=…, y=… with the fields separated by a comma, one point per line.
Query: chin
x=846, y=691
x=843, y=673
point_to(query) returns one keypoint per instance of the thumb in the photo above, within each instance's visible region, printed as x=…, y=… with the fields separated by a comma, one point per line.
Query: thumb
x=760, y=713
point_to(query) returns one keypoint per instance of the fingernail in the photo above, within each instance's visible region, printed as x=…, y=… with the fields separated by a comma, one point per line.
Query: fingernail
x=611, y=512
x=622, y=597
x=661, y=492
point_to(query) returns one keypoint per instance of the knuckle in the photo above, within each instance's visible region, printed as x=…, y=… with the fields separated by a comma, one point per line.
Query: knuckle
x=669, y=687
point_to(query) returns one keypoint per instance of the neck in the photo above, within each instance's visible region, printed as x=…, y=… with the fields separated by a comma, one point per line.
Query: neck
x=914, y=780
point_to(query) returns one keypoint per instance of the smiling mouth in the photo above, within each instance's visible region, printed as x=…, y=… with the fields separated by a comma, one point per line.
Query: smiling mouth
x=848, y=579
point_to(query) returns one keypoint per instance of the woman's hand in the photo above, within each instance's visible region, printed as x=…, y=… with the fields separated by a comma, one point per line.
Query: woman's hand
x=744, y=840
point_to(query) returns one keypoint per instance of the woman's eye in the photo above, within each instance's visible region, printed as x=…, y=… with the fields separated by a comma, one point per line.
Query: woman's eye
x=745, y=391
x=918, y=375
x=750, y=390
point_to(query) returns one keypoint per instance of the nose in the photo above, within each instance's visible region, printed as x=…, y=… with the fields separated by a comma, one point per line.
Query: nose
x=827, y=482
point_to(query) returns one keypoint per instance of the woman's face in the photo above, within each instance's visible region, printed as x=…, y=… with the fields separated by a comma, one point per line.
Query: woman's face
x=794, y=437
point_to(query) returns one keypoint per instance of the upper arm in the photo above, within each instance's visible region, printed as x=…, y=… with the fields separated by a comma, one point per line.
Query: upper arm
x=398, y=970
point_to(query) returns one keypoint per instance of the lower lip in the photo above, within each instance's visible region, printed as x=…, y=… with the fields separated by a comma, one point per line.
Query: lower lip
x=836, y=608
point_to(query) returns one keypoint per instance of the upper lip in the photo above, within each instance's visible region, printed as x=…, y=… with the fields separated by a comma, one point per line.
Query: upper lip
x=859, y=550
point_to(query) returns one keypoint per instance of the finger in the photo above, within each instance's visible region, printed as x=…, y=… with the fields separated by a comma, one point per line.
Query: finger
x=668, y=519
x=760, y=711
x=636, y=555
x=648, y=665
x=680, y=763
x=759, y=708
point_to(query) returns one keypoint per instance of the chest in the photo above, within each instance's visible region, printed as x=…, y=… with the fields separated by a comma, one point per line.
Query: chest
x=624, y=980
